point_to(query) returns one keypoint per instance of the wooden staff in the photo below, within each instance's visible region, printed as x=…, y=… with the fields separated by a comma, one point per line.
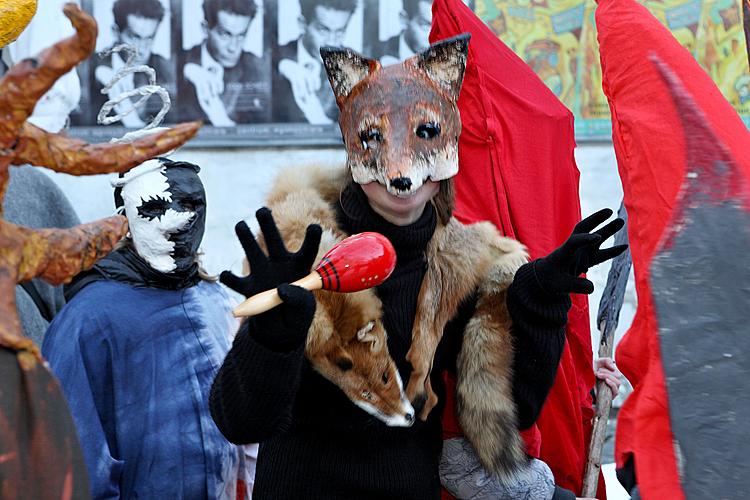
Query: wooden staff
x=607, y=318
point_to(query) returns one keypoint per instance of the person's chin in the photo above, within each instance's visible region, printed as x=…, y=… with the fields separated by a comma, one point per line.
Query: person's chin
x=230, y=63
x=405, y=199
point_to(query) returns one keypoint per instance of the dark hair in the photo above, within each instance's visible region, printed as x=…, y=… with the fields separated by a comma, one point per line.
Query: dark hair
x=150, y=9
x=411, y=7
x=211, y=9
x=445, y=200
x=307, y=7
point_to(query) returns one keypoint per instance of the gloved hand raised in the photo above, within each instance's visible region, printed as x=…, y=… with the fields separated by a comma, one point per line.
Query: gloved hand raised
x=277, y=269
x=280, y=266
x=558, y=273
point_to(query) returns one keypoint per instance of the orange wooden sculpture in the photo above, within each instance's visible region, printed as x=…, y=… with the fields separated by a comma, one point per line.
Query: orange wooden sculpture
x=57, y=255
x=39, y=453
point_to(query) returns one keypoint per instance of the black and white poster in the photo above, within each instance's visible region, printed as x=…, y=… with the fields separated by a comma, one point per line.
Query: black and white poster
x=146, y=26
x=249, y=69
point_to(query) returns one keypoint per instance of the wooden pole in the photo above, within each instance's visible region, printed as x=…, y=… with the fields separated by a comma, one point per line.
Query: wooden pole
x=601, y=418
x=607, y=319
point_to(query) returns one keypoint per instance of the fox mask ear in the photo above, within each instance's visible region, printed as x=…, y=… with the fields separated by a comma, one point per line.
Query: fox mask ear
x=445, y=63
x=345, y=69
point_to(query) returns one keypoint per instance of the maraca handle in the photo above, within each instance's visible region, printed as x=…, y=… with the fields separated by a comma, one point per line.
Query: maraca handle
x=269, y=299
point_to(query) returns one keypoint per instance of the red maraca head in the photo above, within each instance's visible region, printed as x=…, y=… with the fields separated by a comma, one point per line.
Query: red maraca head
x=360, y=261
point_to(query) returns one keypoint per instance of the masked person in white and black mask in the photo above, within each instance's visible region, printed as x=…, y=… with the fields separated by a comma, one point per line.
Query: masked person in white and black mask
x=138, y=344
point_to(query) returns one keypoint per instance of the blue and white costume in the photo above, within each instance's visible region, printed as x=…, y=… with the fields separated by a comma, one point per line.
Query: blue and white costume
x=136, y=365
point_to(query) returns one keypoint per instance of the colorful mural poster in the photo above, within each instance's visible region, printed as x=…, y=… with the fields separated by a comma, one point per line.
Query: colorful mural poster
x=557, y=39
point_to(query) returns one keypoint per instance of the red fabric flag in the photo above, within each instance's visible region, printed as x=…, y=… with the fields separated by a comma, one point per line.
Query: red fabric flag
x=516, y=169
x=651, y=155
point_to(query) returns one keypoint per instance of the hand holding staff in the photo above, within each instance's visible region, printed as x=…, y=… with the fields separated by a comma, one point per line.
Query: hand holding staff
x=607, y=318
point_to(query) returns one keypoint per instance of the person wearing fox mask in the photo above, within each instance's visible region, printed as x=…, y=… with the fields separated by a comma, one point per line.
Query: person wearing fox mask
x=137, y=345
x=461, y=298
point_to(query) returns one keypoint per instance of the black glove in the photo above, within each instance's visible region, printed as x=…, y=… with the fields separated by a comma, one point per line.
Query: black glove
x=280, y=266
x=558, y=273
x=282, y=325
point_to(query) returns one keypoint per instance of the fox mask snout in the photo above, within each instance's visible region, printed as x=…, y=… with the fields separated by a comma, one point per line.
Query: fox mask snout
x=400, y=123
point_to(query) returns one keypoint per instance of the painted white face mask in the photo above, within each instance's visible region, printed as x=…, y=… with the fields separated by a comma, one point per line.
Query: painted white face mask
x=164, y=202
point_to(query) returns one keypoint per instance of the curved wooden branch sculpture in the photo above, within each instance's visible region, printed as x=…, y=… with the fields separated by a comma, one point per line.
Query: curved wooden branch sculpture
x=57, y=254
x=39, y=452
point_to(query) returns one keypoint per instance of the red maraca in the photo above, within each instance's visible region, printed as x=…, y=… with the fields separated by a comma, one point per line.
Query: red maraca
x=360, y=261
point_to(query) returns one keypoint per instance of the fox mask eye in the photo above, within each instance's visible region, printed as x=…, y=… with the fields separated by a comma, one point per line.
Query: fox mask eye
x=428, y=130
x=370, y=138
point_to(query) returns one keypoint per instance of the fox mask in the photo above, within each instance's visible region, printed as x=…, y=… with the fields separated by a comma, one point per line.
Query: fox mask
x=400, y=123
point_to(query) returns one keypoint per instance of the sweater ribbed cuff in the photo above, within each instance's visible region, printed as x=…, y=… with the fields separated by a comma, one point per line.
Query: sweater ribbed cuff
x=275, y=342
x=244, y=389
x=539, y=321
x=527, y=295
x=273, y=333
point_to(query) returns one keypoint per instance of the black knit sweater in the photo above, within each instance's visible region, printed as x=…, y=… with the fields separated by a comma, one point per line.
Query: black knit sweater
x=314, y=442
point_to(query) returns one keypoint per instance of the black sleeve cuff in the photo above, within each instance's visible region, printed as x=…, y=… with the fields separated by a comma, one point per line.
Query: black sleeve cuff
x=274, y=333
x=252, y=395
x=539, y=320
x=527, y=296
x=284, y=328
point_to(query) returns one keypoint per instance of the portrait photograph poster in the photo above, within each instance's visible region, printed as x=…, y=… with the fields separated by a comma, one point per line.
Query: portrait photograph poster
x=255, y=78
